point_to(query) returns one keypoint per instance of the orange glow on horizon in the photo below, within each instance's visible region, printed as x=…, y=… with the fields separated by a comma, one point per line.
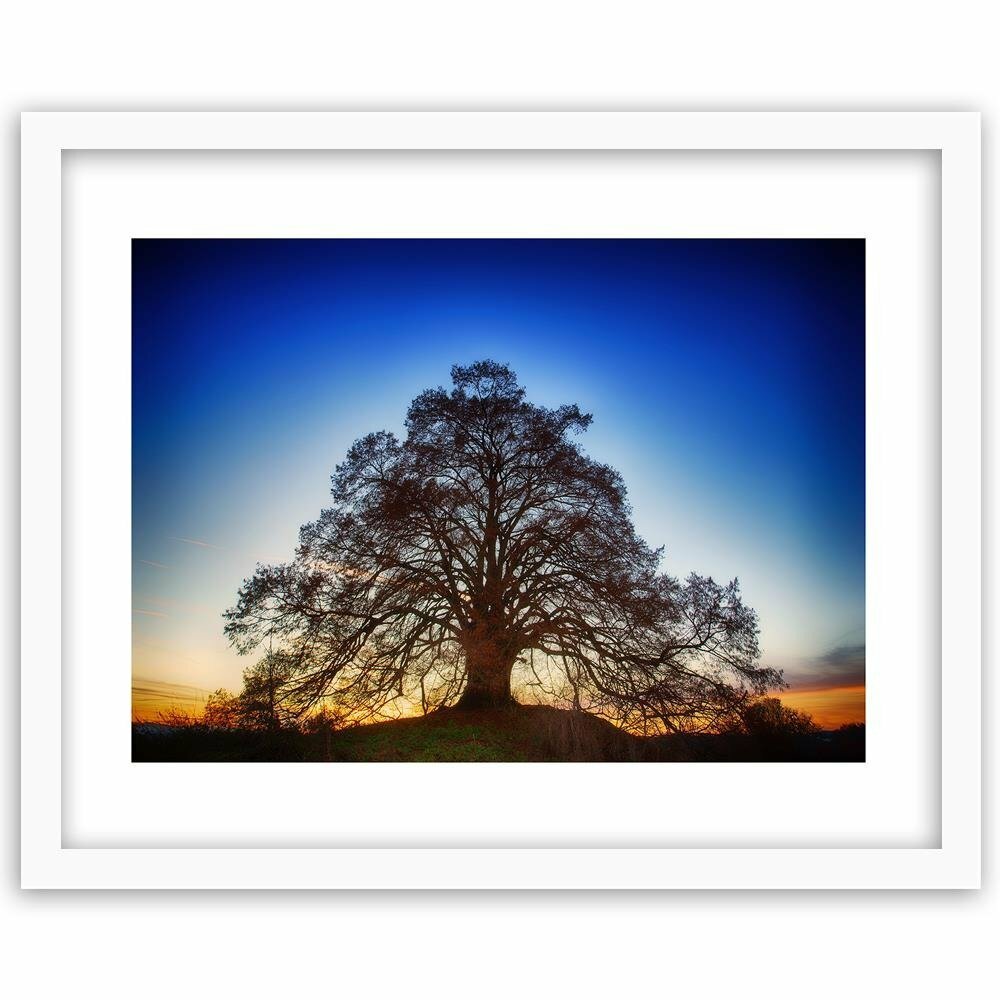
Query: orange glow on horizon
x=830, y=707
x=151, y=700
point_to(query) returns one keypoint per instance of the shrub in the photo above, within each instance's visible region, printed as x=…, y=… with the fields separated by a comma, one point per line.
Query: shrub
x=768, y=719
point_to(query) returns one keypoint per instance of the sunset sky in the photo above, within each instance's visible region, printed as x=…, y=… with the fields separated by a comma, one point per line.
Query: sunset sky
x=726, y=380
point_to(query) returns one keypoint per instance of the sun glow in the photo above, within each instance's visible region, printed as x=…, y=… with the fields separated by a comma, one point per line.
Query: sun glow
x=830, y=707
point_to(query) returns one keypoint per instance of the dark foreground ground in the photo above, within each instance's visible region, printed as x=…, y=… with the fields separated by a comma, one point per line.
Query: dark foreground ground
x=521, y=733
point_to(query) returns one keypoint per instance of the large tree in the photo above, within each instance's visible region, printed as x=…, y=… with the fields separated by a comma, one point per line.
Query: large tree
x=484, y=540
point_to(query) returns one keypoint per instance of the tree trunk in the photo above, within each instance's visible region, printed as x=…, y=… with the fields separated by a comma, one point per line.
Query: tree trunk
x=488, y=668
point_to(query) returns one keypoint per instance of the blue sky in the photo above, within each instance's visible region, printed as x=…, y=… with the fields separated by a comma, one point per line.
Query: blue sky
x=726, y=380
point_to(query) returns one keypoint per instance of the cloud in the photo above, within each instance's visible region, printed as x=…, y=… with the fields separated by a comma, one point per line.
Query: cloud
x=152, y=614
x=150, y=562
x=160, y=693
x=194, y=541
x=840, y=666
x=188, y=607
x=149, y=685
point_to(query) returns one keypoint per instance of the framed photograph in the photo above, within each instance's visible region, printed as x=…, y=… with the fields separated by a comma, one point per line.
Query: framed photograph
x=501, y=500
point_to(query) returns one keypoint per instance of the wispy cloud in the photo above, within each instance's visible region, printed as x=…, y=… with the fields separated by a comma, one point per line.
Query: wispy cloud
x=841, y=666
x=150, y=562
x=171, y=604
x=149, y=694
x=146, y=685
x=152, y=614
x=194, y=541
x=152, y=683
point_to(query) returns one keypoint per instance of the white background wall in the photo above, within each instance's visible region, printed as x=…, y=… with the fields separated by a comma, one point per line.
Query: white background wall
x=429, y=54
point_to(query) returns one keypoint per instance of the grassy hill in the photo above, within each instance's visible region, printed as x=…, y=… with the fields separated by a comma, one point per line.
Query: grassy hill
x=520, y=733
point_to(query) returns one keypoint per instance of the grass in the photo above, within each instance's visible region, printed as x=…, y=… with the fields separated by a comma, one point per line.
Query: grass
x=517, y=734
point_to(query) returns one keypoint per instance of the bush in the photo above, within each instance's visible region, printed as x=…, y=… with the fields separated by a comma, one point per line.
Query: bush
x=767, y=718
x=221, y=710
x=325, y=720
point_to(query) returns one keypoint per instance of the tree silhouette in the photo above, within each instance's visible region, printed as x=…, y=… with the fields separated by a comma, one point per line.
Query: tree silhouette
x=767, y=718
x=268, y=700
x=485, y=538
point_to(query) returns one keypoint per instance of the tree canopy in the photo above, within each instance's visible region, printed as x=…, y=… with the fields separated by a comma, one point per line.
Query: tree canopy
x=485, y=543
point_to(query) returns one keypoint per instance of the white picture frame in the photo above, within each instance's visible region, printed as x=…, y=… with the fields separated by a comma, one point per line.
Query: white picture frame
x=51, y=860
